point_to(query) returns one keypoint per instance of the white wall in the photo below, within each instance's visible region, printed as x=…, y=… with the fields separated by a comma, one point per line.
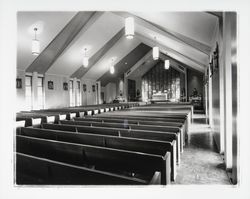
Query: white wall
x=57, y=97
x=89, y=97
x=52, y=98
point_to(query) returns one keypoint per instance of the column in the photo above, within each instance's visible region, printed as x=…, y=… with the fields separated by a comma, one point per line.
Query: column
x=227, y=90
x=98, y=92
x=74, y=91
x=125, y=88
x=34, y=91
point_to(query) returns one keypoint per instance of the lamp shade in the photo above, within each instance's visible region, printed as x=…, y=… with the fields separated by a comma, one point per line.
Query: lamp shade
x=166, y=64
x=129, y=28
x=155, y=53
x=112, y=69
x=85, y=61
x=35, y=48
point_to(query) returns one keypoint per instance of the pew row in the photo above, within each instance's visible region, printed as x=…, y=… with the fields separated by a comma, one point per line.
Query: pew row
x=32, y=170
x=167, y=129
x=117, y=161
x=141, y=134
x=131, y=144
x=150, y=118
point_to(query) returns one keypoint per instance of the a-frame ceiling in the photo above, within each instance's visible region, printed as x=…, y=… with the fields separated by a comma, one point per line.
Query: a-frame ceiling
x=125, y=63
x=184, y=36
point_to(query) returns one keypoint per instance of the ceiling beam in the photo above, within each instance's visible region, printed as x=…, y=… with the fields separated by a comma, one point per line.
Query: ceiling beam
x=81, y=71
x=199, y=66
x=138, y=63
x=168, y=33
x=80, y=22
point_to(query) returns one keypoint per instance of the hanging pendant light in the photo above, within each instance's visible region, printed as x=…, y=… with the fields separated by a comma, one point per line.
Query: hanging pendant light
x=85, y=60
x=129, y=28
x=166, y=64
x=155, y=52
x=112, y=68
x=35, y=48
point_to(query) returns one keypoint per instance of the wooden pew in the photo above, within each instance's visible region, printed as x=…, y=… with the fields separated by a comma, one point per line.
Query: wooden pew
x=105, y=159
x=169, y=111
x=148, y=135
x=32, y=170
x=19, y=124
x=136, y=121
x=155, y=117
x=131, y=127
x=176, y=106
x=131, y=144
x=129, y=121
x=84, y=110
x=151, y=118
x=45, y=117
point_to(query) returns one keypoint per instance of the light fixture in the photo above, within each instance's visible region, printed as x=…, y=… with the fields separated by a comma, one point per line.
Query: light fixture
x=155, y=52
x=35, y=48
x=112, y=68
x=85, y=60
x=129, y=28
x=167, y=64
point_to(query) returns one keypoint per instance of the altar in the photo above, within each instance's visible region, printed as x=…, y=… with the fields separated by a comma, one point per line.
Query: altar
x=159, y=96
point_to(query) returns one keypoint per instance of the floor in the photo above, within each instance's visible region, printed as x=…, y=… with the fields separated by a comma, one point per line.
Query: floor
x=200, y=162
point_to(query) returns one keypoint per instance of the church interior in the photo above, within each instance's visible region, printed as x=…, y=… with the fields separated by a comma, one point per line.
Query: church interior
x=126, y=98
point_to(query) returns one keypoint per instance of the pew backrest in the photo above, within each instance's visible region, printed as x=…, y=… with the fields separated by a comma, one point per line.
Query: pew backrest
x=100, y=157
x=35, y=170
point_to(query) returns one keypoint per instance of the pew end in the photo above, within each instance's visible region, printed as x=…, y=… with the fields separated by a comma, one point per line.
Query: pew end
x=62, y=117
x=156, y=179
x=36, y=122
x=166, y=175
x=50, y=119
x=19, y=124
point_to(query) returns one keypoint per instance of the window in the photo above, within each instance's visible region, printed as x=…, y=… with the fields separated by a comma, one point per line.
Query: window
x=71, y=94
x=78, y=94
x=28, y=92
x=40, y=93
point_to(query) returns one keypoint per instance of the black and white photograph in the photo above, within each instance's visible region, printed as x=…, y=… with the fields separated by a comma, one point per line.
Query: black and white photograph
x=163, y=59
x=50, y=85
x=163, y=112
x=65, y=86
x=18, y=83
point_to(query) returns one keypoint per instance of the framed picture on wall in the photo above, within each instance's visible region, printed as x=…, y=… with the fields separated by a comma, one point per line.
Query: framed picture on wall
x=50, y=85
x=65, y=86
x=84, y=87
x=18, y=83
x=93, y=88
